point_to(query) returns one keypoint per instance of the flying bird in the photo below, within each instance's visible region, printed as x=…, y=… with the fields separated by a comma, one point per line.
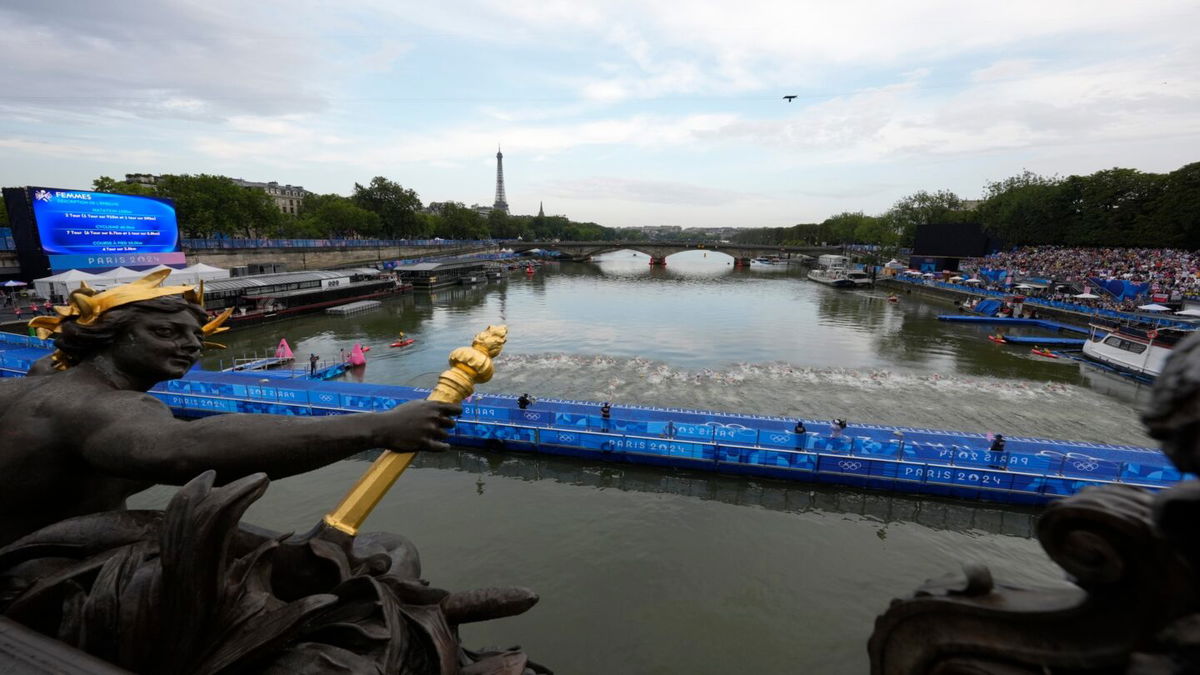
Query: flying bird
x=790, y=97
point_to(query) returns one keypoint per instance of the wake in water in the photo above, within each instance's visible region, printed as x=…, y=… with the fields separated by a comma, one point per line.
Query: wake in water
x=978, y=404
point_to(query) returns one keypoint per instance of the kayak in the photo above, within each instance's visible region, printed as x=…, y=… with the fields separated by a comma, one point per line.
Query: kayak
x=403, y=343
x=1000, y=339
x=1045, y=352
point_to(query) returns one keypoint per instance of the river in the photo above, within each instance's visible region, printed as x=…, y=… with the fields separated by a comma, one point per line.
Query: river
x=660, y=571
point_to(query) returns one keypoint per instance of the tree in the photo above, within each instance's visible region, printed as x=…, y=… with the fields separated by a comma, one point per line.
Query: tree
x=395, y=205
x=459, y=222
x=1174, y=214
x=1024, y=209
x=108, y=184
x=3, y=213
x=332, y=216
x=214, y=205
x=921, y=208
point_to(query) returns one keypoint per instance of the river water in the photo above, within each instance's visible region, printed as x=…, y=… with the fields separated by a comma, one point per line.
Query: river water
x=659, y=571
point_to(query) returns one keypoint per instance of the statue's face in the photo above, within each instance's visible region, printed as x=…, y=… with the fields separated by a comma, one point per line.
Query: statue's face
x=159, y=345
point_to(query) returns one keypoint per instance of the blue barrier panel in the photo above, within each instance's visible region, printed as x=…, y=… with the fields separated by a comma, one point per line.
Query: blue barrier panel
x=1083, y=466
x=981, y=458
x=781, y=439
x=351, y=402
x=579, y=439
x=694, y=432
x=1052, y=485
x=572, y=420
x=834, y=445
x=291, y=394
x=1138, y=472
x=495, y=431
x=485, y=412
x=537, y=418
x=735, y=433
x=324, y=398
x=866, y=447
x=201, y=403
x=928, y=452
x=844, y=465
x=261, y=393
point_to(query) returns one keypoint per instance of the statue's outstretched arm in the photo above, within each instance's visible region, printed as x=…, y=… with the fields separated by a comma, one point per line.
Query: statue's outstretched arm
x=134, y=435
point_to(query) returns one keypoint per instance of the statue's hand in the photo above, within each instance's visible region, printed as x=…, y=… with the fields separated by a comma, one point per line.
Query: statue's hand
x=418, y=425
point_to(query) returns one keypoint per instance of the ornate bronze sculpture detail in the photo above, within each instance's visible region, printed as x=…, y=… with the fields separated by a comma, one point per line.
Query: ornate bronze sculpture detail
x=1131, y=555
x=191, y=589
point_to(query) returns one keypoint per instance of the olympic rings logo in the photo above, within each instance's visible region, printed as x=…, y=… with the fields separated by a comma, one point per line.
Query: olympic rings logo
x=566, y=438
x=532, y=416
x=1085, y=466
x=779, y=438
x=846, y=465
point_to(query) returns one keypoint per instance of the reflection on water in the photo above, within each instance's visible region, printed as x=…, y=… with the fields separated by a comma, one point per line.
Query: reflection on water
x=887, y=508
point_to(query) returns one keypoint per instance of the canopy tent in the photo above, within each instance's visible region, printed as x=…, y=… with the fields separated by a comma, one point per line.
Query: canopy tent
x=956, y=278
x=62, y=284
x=122, y=273
x=1154, y=307
x=1189, y=312
x=973, y=281
x=200, y=272
x=1086, y=296
x=1026, y=286
x=13, y=283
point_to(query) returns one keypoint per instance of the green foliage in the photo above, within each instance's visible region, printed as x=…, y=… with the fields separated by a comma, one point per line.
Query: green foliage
x=208, y=205
x=107, y=184
x=3, y=213
x=333, y=216
x=1114, y=207
x=921, y=208
x=396, y=206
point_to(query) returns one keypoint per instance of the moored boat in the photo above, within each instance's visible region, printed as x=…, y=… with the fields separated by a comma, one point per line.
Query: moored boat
x=832, y=271
x=1139, y=349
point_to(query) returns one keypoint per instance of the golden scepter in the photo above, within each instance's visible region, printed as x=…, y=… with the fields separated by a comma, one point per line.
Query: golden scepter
x=468, y=366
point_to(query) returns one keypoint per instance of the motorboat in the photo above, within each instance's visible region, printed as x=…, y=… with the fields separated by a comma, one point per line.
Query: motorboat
x=1140, y=349
x=859, y=277
x=832, y=271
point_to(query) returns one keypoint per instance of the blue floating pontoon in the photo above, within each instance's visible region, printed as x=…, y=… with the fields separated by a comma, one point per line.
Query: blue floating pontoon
x=925, y=461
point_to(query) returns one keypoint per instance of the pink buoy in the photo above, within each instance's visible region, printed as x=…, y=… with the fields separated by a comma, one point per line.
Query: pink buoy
x=357, y=358
x=284, y=351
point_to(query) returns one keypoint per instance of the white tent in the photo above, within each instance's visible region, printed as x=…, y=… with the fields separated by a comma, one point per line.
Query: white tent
x=63, y=283
x=1189, y=312
x=123, y=273
x=1086, y=296
x=1153, y=307
x=973, y=281
x=956, y=278
x=200, y=272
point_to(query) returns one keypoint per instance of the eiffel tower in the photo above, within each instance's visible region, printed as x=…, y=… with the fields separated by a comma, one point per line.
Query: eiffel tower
x=501, y=201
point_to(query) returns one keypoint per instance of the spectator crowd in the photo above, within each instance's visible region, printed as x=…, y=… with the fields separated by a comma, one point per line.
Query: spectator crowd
x=1172, y=274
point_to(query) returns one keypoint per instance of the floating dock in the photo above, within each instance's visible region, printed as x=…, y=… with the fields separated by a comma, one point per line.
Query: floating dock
x=258, y=364
x=354, y=307
x=1008, y=321
x=1051, y=341
x=921, y=461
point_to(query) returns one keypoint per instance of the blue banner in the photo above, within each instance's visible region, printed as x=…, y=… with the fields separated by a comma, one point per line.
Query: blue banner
x=98, y=229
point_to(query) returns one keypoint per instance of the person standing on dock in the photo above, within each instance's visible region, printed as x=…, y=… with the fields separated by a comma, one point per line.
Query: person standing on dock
x=606, y=414
x=312, y=364
x=836, y=428
x=999, y=458
x=524, y=401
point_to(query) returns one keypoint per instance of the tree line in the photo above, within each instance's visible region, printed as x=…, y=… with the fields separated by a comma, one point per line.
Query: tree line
x=1110, y=208
x=214, y=206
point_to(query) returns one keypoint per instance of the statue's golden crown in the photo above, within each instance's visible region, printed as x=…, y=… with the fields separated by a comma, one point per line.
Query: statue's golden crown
x=85, y=306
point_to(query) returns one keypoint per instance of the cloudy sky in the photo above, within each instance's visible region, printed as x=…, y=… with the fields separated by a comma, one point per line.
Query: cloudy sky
x=646, y=112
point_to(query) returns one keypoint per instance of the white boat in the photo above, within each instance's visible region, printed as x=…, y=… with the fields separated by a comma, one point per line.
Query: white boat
x=832, y=271
x=1140, y=349
x=859, y=277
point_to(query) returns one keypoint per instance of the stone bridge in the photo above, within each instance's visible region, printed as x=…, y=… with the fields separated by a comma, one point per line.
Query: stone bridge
x=658, y=251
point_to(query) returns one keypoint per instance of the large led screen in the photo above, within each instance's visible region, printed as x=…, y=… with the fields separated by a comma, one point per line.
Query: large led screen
x=98, y=229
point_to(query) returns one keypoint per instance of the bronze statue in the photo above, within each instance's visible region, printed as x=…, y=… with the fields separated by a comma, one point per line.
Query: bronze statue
x=189, y=589
x=1131, y=555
